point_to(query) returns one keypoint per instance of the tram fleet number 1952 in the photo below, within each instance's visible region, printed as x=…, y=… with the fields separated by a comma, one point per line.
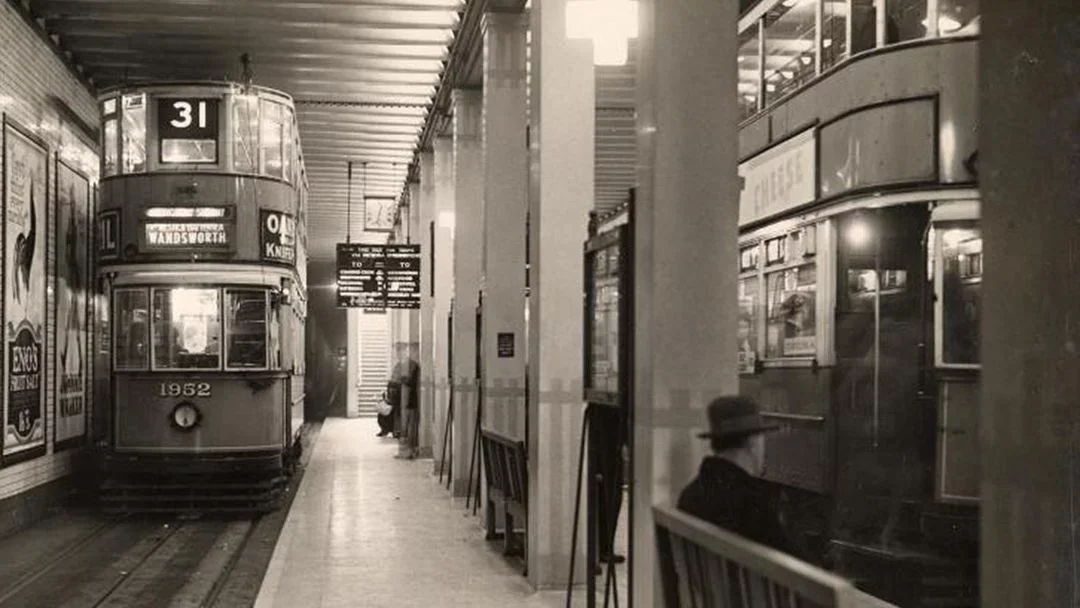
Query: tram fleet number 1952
x=183, y=389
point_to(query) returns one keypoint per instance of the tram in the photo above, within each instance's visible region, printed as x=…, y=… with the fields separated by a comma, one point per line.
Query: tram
x=201, y=257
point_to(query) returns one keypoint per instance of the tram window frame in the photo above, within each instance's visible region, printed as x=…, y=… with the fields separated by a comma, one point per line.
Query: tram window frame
x=941, y=318
x=268, y=120
x=119, y=326
x=245, y=133
x=750, y=272
x=110, y=137
x=228, y=327
x=153, y=329
x=133, y=117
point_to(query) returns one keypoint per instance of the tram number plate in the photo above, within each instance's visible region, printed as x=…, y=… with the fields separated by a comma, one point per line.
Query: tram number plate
x=183, y=389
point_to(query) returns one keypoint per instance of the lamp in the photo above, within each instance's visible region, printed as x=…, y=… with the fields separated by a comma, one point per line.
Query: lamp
x=609, y=23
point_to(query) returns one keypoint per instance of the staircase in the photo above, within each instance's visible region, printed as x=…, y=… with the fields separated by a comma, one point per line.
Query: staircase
x=375, y=358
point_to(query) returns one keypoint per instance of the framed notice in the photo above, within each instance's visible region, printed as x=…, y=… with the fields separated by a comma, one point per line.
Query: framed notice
x=72, y=357
x=26, y=208
x=607, y=316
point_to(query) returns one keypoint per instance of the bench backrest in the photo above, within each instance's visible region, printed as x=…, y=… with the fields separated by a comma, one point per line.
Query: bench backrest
x=704, y=566
x=505, y=466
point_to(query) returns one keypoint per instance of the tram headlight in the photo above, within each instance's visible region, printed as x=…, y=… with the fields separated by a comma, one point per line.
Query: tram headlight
x=186, y=416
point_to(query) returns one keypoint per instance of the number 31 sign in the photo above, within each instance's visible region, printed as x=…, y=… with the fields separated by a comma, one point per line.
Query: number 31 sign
x=195, y=118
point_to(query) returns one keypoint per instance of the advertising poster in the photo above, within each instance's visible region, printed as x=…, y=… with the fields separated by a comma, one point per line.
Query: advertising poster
x=72, y=268
x=25, y=221
x=277, y=236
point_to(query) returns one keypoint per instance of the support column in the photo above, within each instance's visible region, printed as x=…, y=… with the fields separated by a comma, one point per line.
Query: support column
x=561, y=118
x=352, y=363
x=686, y=235
x=468, y=237
x=1030, y=422
x=506, y=172
x=425, y=205
x=444, y=289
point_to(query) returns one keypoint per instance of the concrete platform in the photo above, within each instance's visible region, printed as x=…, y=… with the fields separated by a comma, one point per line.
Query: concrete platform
x=368, y=530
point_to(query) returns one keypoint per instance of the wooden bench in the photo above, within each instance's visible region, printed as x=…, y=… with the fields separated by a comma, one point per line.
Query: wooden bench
x=704, y=566
x=506, y=473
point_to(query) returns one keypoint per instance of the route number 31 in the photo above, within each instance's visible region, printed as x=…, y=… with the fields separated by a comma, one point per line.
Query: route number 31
x=183, y=389
x=183, y=112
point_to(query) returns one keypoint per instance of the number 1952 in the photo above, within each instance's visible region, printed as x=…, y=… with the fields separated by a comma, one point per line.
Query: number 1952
x=183, y=389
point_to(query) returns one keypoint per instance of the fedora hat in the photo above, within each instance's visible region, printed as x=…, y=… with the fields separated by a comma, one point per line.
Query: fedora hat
x=734, y=416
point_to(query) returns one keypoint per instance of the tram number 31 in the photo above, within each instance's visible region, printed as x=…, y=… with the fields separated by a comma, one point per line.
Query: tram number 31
x=183, y=110
x=183, y=389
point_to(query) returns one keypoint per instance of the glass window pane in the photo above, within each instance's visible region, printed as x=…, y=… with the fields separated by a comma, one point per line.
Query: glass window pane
x=111, y=160
x=789, y=47
x=246, y=133
x=863, y=26
x=904, y=20
x=134, y=133
x=749, y=64
x=247, y=327
x=188, y=151
x=792, y=323
x=287, y=137
x=961, y=252
x=749, y=298
x=187, y=329
x=958, y=17
x=833, y=33
x=270, y=138
x=131, y=319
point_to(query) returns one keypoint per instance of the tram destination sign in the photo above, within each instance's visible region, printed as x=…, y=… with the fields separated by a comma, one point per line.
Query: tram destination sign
x=186, y=235
x=376, y=277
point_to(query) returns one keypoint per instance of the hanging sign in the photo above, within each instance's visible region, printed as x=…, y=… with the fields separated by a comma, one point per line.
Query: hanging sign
x=403, y=276
x=361, y=275
x=277, y=236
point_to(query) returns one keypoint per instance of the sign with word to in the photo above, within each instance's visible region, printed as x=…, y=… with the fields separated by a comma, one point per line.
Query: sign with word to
x=180, y=235
x=361, y=275
x=402, y=276
x=277, y=236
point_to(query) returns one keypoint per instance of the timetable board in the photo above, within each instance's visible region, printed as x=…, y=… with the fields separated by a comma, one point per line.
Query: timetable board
x=376, y=277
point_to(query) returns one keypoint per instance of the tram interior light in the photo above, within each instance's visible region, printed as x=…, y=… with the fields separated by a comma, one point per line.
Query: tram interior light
x=945, y=24
x=858, y=234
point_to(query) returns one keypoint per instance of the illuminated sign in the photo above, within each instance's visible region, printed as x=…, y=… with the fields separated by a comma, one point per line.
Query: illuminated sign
x=277, y=236
x=201, y=234
x=188, y=129
x=185, y=212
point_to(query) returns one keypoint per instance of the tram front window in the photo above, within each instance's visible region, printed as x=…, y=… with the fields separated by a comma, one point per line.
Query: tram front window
x=187, y=328
x=246, y=328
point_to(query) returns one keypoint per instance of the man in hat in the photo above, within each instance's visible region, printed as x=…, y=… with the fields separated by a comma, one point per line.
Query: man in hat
x=727, y=491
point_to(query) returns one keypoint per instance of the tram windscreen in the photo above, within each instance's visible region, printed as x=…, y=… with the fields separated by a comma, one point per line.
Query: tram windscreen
x=187, y=328
x=246, y=328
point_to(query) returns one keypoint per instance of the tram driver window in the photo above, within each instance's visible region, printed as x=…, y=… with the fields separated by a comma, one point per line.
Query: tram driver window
x=187, y=328
x=132, y=323
x=246, y=328
x=961, y=287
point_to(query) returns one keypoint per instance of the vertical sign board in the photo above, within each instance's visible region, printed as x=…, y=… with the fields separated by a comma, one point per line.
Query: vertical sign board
x=72, y=305
x=188, y=130
x=108, y=235
x=361, y=275
x=25, y=227
x=403, y=276
x=277, y=236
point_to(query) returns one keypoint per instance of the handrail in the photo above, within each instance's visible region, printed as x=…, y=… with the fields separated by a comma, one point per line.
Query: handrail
x=810, y=582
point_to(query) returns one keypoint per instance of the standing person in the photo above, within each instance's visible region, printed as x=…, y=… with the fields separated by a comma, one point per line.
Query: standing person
x=610, y=436
x=727, y=491
x=407, y=376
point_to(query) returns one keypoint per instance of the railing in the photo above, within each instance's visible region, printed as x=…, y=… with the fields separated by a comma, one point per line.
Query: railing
x=704, y=566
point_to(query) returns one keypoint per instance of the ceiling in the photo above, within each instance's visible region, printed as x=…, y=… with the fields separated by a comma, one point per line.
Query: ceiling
x=363, y=73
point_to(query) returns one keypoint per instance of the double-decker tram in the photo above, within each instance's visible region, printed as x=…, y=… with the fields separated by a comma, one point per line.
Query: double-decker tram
x=201, y=252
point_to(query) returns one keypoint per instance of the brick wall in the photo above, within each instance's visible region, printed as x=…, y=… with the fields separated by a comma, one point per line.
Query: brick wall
x=34, y=83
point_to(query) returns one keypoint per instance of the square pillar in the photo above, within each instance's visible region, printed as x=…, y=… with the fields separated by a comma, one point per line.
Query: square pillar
x=686, y=239
x=425, y=218
x=468, y=237
x=561, y=118
x=506, y=172
x=443, y=254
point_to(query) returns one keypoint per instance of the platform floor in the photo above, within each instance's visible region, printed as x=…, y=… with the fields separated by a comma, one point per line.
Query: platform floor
x=368, y=530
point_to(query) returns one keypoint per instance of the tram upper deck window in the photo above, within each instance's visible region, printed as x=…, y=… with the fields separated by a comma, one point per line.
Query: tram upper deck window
x=110, y=157
x=905, y=20
x=186, y=328
x=245, y=328
x=133, y=132
x=188, y=130
x=245, y=133
x=131, y=318
x=958, y=17
x=789, y=46
x=287, y=143
x=270, y=139
x=961, y=287
x=749, y=72
x=834, y=17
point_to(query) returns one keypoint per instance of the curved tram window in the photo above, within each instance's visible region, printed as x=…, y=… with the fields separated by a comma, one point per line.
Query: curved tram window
x=961, y=252
x=187, y=328
x=246, y=327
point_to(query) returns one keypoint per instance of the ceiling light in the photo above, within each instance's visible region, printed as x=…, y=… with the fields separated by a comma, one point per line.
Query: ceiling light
x=826, y=42
x=945, y=24
x=806, y=59
x=789, y=74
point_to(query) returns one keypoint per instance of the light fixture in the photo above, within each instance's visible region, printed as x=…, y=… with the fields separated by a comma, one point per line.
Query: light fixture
x=185, y=416
x=609, y=23
x=945, y=24
x=788, y=74
x=826, y=42
x=858, y=234
x=806, y=59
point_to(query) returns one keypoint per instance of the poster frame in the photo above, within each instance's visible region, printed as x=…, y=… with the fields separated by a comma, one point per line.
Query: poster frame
x=78, y=440
x=7, y=122
x=618, y=237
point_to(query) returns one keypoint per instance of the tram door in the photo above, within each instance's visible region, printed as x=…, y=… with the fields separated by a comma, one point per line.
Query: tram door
x=884, y=421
